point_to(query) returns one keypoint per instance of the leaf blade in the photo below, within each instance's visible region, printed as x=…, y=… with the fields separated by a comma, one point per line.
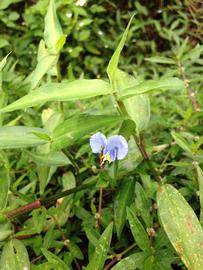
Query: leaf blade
x=65, y=91
x=180, y=223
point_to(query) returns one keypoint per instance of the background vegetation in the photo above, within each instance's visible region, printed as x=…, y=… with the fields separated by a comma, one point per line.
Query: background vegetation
x=56, y=91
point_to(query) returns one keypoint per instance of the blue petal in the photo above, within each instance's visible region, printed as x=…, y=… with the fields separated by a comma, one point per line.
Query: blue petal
x=112, y=154
x=117, y=145
x=98, y=142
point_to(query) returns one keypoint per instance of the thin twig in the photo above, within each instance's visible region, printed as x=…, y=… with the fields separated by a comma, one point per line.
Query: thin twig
x=140, y=144
x=118, y=257
x=191, y=94
x=46, y=202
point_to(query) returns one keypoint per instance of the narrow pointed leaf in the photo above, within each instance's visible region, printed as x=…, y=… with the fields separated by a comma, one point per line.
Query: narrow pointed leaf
x=3, y=62
x=100, y=253
x=20, y=136
x=55, y=260
x=122, y=200
x=132, y=262
x=113, y=63
x=76, y=128
x=200, y=181
x=4, y=186
x=152, y=85
x=64, y=91
x=182, y=226
x=161, y=60
x=138, y=231
x=180, y=140
x=50, y=159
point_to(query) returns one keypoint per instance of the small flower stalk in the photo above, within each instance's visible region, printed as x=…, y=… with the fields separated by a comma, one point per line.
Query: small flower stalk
x=111, y=149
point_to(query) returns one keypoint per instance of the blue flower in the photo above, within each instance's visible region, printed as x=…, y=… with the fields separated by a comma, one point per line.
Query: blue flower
x=116, y=147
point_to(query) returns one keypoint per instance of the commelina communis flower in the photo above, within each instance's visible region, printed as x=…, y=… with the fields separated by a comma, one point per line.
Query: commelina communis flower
x=115, y=147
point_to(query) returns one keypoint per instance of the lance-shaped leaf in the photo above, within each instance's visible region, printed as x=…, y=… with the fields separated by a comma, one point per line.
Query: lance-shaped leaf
x=20, y=136
x=200, y=181
x=181, y=141
x=113, y=63
x=123, y=199
x=45, y=62
x=4, y=186
x=3, y=62
x=55, y=261
x=5, y=227
x=76, y=128
x=138, y=231
x=100, y=253
x=132, y=262
x=161, y=60
x=50, y=159
x=148, y=86
x=65, y=91
x=182, y=226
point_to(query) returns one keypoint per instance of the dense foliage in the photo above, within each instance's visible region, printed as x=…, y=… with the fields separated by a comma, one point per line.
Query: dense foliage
x=70, y=69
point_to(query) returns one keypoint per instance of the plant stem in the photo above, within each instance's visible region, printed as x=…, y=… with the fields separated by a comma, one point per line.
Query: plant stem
x=119, y=256
x=191, y=94
x=46, y=202
x=141, y=146
x=140, y=143
x=23, y=209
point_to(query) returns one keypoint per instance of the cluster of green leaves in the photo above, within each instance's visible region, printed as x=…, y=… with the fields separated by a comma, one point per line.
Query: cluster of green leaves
x=47, y=117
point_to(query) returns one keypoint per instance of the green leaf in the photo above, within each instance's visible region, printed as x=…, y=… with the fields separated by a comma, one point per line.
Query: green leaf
x=39, y=219
x=148, y=263
x=44, y=173
x=43, y=66
x=153, y=85
x=160, y=60
x=14, y=256
x=6, y=3
x=65, y=91
x=51, y=159
x=127, y=128
x=68, y=180
x=5, y=227
x=200, y=181
x=55, y=260
x=3, y=62
x=123, y=199
x=4, y=42
x=143, y=205
x=4, y=186
x=132, y=262
x=138, y=107
x=182, y=226
x=53, y=34
x=139, y=233
x=100, y=253
x=76, y=128
x=113, y=63
x=20, y=136
x=181, y=142
x=193, y=54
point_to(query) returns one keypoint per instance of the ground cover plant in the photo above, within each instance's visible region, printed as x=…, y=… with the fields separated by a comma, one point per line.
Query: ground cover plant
x=101, y=135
